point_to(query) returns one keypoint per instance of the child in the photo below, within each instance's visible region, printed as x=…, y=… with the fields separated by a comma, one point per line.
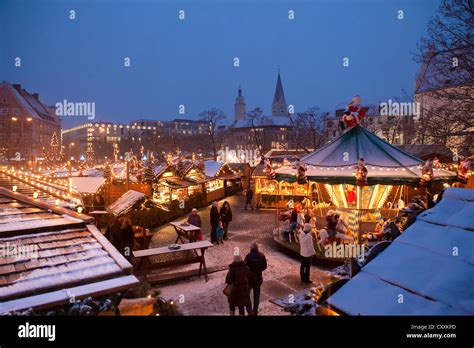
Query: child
x=220, y=233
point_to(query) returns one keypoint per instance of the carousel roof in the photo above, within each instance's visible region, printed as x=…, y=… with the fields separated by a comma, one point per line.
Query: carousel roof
x=386, y=164
x=356, y=143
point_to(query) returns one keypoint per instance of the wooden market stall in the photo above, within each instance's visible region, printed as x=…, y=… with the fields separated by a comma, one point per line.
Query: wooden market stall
x=221, y=180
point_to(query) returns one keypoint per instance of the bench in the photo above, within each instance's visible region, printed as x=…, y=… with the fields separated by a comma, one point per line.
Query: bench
x=145, y=265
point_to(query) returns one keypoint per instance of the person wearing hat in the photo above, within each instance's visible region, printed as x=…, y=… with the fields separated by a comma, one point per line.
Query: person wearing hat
x=307, y=252
x=257, y=264
x=195, y=219
x=239, y=278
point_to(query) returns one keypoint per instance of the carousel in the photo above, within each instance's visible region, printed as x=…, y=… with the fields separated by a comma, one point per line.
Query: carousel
x=361, y=178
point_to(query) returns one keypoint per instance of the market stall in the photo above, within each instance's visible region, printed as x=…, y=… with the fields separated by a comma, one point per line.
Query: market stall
x=221, y=180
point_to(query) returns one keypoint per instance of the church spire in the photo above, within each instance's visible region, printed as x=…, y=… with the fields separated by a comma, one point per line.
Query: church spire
x=279, y=106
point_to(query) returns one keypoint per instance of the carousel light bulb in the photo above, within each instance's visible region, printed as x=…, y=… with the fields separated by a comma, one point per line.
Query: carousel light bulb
x=57, y=202
x=14, y=188
x=35, y=195
x=79, y=210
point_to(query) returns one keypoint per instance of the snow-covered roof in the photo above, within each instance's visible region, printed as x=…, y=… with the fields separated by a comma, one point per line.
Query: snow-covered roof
x=87, y=184
x=125, y=202
x=211, y=168
x=51, y=251
x=265, y=121
x=431, y=265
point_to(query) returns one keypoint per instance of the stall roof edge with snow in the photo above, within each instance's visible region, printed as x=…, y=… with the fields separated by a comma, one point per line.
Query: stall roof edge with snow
x=428, y=270
x=50, y=254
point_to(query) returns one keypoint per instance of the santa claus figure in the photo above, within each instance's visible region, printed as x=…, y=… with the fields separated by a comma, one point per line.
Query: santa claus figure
x=427, y=174
x=361, y=173
x=268, y=168
x=301, y=174
x=354, y=113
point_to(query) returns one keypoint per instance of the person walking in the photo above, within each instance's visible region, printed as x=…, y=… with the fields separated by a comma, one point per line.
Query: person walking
x=215, y=218
x=239, y=278
x=307, y=252
x=195, y=220
x=257, y=263
x=248, y=198
x=226, y=217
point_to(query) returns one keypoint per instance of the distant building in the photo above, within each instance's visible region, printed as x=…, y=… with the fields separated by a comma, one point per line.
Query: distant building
x=27, y=125
x=251, y=136
x=151, y=134
x=395, y=129
x=445, y=93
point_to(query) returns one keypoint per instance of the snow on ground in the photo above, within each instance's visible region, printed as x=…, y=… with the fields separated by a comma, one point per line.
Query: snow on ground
x=206, y=298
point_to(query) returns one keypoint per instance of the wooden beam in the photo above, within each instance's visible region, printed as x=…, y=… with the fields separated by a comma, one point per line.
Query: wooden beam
x=114, y=253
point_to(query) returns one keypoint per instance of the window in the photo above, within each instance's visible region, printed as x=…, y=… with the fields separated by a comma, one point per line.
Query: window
x=4, y=111
x=16, y=111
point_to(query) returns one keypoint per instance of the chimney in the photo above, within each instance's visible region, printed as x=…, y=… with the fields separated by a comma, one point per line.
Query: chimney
x=17, y=86
x=36, y=96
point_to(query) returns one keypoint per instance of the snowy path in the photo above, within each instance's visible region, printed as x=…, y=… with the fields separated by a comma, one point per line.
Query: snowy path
x=206, y=298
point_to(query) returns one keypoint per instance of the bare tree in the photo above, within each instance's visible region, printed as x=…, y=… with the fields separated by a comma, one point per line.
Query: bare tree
x=445, y=85
x=258, y=133
x=213, y=116
x=307, y=129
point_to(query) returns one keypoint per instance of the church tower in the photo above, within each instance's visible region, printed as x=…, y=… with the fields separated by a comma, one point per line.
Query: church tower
x=279, y=107
x=239, y=106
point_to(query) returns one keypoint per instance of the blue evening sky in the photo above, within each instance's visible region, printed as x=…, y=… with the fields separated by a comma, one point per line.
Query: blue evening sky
x=190, y=61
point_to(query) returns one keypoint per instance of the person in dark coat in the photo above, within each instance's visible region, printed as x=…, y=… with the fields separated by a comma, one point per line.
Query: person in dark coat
x=127, y=238
x=240, y=277
x=248, y=198
x=257, y=264
x=113, y=230
x=215, y=218
x=195, y=220
x=226, y=217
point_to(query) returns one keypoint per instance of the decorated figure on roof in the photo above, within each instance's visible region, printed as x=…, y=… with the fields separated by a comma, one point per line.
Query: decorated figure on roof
x=354, y=113
x=427, y=174
x=301, y=173
x=351, y=196
x=361, y=173
x=463, y=171
x=268, y=168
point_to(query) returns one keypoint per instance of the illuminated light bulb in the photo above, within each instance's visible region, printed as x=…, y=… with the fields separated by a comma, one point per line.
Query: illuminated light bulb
x=79, y=210
x=14, y=188
x=57, y=202
x=35, y=195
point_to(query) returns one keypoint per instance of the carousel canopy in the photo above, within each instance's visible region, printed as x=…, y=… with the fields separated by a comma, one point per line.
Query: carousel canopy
x=386, y=164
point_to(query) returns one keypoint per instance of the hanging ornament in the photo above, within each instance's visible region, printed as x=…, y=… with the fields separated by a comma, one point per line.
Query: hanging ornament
x=361, y=173
x=269, y=169
x=301, y=173
x=427, y=174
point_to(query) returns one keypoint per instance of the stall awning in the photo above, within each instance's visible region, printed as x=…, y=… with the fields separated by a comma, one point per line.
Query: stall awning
x=421, y=266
